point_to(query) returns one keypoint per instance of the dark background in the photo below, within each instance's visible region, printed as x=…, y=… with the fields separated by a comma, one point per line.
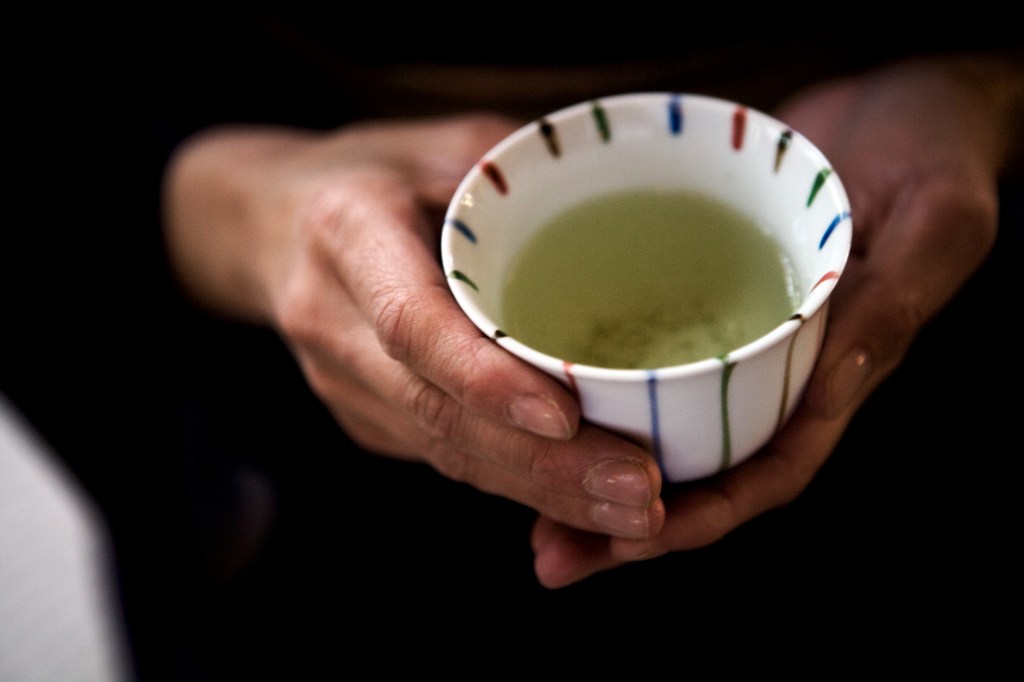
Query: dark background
x=166, y=414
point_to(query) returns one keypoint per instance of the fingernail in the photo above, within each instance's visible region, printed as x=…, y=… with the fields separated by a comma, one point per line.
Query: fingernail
x=540, y=416
x=627, y=522
x=619, y=481
x=846, y=380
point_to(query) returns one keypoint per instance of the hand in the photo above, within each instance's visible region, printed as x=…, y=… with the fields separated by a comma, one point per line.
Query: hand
x=332, y=239
x=919, y=148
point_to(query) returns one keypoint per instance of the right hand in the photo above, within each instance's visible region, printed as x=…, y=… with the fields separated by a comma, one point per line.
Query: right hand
x=332, y=240
x=920, y=146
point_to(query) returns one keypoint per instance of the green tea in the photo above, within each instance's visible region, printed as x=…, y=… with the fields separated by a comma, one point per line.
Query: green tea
x=646, y=279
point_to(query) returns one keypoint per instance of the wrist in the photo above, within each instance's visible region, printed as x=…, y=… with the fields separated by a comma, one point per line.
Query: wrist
x=218, y=186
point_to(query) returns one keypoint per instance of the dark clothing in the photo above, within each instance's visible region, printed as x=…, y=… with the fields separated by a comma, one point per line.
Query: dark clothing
x=166, y=412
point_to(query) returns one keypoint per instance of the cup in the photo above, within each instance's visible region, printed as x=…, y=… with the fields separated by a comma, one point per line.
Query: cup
x=700, y=416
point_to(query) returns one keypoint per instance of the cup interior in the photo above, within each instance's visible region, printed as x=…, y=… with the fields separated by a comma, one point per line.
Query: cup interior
x=730, y=152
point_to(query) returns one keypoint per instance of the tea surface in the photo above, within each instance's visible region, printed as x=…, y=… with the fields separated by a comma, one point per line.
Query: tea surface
x=646, y=279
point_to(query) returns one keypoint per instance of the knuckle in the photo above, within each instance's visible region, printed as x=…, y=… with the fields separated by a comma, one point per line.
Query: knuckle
x=715, y=514
x=473, y=379
x=909, y=313
x=410, y=334
x=320, y=381
x=332, y=213
x=325, y=216
x=411, y=330
x=394, y=319
x=298, y=313
x=451, y=463
x=543, y=463
x=437, y=415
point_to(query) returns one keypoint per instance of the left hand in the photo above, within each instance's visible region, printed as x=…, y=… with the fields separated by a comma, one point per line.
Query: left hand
x=919, y=148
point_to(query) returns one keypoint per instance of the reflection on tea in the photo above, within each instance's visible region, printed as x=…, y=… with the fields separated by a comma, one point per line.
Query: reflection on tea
x=646, y=279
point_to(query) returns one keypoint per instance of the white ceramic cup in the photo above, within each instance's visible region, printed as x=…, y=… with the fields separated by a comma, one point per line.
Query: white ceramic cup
x=700, y=418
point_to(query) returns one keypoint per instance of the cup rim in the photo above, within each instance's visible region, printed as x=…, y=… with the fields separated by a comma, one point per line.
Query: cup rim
x=811, y=303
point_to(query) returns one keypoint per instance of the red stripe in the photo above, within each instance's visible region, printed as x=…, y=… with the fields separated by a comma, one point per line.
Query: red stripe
x=567, y=368
x=739, y=127
x=831, y=274
x=493, y=174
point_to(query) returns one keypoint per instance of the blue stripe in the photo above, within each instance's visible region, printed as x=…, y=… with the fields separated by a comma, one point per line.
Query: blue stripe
x=652, y=397
x=835, y=223
x=675, y=115
x=464, y=229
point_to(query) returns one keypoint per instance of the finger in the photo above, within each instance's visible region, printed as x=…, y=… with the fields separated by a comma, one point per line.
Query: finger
x=775, y=477
x=578, y=483
x=573, y=483
x=396, y=281
x=587, y=482
x=595, y=481
x=701, y=514
x=564, y=555
x=443, y=153
x=376, y=426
